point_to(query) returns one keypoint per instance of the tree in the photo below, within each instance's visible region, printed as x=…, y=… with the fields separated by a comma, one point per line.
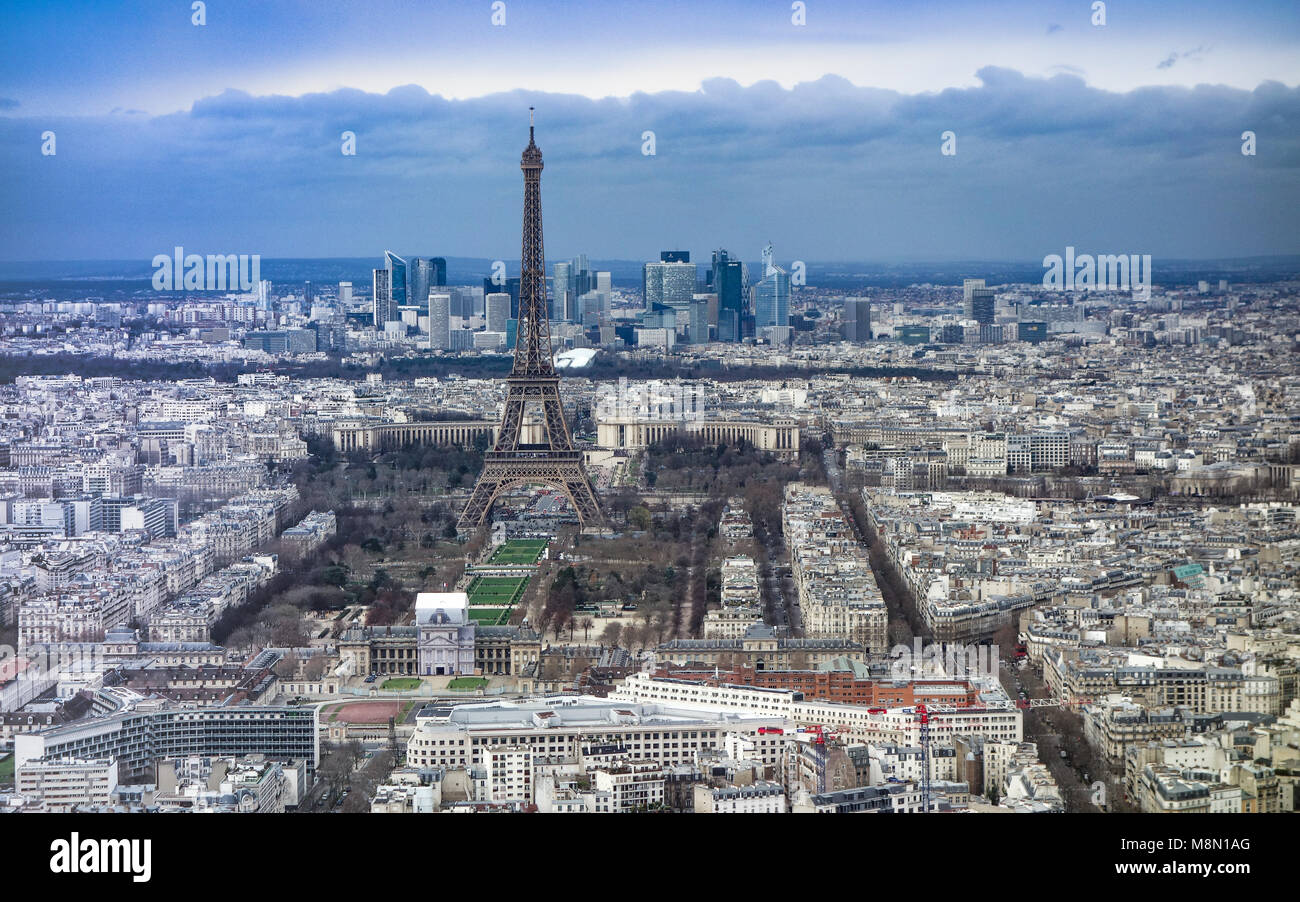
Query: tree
x=611, y=634
x=288, y=632
x=334, y=768
x=355, y=753
x=287, y=667
x=587, y=624
x=639, y=517
x=658, y=626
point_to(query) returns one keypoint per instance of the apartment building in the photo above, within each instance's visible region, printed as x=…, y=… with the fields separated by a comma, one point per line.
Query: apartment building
x=1115, y=724
x=66, y=784
x=138, y=737
x=994, y=717
x=462, y=736
x=761, y=797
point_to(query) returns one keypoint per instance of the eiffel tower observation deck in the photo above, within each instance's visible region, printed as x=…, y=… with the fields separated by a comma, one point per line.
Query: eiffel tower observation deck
x=532, y=382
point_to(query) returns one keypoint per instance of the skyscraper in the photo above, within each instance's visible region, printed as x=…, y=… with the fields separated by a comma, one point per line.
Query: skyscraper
x=652, y=284
x=772, y=294
x=772, y=299
x=396, y=267
x=510, y=287
x=345, y=295
x=561, y=286
x=439, y=265
x=592, y=308
x=439, y=321
x=419, y=275
x=382, y=307
x=668, y=282
x=968, y=287
x=571, y=281
x=498, y=311
x=698, y=330
x=857, y=319
x=674, y=256
x=466, y=300
x=727, y=279
x=981, y=306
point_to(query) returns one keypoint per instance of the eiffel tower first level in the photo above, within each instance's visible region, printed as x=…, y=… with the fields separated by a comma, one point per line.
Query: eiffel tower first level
x=550, y=458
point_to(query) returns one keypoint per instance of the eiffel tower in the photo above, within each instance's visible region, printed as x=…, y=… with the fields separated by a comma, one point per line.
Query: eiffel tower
x=533, y=380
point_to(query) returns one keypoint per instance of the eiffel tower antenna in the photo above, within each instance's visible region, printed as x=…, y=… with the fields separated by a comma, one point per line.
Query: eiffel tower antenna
x=552, y=461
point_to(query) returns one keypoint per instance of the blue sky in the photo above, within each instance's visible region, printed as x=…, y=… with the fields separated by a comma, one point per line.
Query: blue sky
x=823, y=138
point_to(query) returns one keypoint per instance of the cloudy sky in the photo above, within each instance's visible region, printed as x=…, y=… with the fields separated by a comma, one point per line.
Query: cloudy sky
x=823, y=138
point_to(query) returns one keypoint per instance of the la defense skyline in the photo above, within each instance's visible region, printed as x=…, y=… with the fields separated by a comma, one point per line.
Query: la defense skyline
x=730, y=303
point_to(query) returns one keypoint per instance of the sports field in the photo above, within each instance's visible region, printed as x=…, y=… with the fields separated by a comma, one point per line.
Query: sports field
x=519, y=551
x=496, y=590
x=492, y=598
x=366, y=712
x=490, y=616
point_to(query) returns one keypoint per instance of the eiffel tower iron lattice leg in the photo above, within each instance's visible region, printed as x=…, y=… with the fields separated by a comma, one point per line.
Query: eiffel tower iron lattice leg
x=532, y=381
x=502, y=472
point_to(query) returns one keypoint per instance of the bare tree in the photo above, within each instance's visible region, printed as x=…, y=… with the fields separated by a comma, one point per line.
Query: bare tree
x=612, y=633
x=314, y=669
x=287, y=667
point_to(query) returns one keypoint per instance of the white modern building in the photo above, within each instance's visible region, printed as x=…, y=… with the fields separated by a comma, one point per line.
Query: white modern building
x=562, y=727
x=65, y=784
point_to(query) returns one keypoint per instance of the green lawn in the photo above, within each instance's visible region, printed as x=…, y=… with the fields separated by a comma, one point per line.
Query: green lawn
x=467, y=683
x=492, y=590
x=401, y=684
x=492, y=598
x=7, y=769
x=489, y=616
x=519, y=551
